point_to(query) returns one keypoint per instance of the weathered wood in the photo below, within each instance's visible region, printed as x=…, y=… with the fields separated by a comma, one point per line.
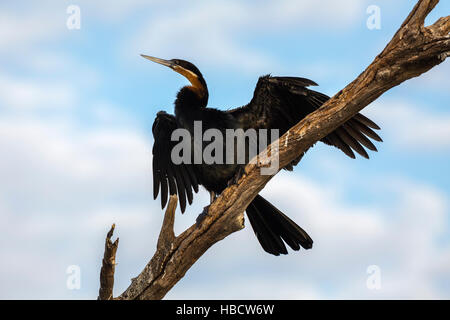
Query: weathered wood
x=413, y=50
x=108, y=267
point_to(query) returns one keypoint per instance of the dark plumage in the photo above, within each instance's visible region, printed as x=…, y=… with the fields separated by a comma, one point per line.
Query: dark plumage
x=277, y=103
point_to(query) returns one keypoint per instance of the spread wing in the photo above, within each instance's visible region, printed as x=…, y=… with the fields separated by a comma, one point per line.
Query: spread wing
x=167, y=177
x=281, y=102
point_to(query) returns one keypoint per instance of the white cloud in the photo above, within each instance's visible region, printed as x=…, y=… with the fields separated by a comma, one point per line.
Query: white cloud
x=53, y=160
x=61, y=189
x=20, y=30
x=435, y=79
x=63, y=184
x=77, y=182
x=401, y=238
x=24, y=25
x=211, y=31
x=411, y=126
x=29, y=94
x=104, y=10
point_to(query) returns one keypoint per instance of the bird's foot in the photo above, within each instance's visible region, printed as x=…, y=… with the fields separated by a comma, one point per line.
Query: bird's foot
x=239, y=173
x=202, y=216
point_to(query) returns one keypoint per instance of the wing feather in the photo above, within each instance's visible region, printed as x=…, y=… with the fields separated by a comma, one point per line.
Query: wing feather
x=281, y=102
x=169, y=178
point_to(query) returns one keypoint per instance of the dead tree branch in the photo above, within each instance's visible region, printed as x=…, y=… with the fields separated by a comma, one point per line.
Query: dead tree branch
x=108, y=267
x=413, y=50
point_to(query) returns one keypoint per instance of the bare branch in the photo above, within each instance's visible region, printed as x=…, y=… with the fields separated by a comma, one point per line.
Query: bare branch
x=441, y=28
x=413, y=50
x=421, y=10
x=108, y=267
x=175, y=255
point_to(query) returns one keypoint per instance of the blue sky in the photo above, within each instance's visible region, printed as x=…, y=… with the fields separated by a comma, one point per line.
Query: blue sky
x=76, y=109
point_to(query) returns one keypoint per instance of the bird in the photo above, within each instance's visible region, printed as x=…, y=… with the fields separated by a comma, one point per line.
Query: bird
x=278, y=102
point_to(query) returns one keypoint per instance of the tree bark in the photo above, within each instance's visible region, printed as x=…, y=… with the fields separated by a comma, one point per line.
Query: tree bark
x=108, y=267
x=413, y=50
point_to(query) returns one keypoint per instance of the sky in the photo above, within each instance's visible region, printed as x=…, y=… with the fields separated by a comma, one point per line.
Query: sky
x=76, y=110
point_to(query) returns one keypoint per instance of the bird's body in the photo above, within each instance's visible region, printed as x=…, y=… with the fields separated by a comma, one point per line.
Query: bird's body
x=277, y=103
x=213, y=177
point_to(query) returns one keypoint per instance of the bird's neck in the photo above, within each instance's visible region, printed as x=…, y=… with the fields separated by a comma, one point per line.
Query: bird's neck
x=190, y=98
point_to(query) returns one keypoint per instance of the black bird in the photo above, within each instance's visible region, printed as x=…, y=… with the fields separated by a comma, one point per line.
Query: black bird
x=277, y=103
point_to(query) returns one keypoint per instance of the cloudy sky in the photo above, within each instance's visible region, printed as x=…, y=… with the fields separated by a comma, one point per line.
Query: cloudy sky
x=76, y=109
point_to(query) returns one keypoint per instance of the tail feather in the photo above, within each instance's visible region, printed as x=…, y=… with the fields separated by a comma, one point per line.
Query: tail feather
x=272, y=227
x=270, y=241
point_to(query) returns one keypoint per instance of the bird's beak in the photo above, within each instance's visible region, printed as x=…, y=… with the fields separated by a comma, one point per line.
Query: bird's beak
x=166, y=63
x=188, y=74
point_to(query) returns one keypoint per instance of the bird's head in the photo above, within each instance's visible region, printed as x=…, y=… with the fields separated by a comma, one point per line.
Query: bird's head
x=189, y=71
